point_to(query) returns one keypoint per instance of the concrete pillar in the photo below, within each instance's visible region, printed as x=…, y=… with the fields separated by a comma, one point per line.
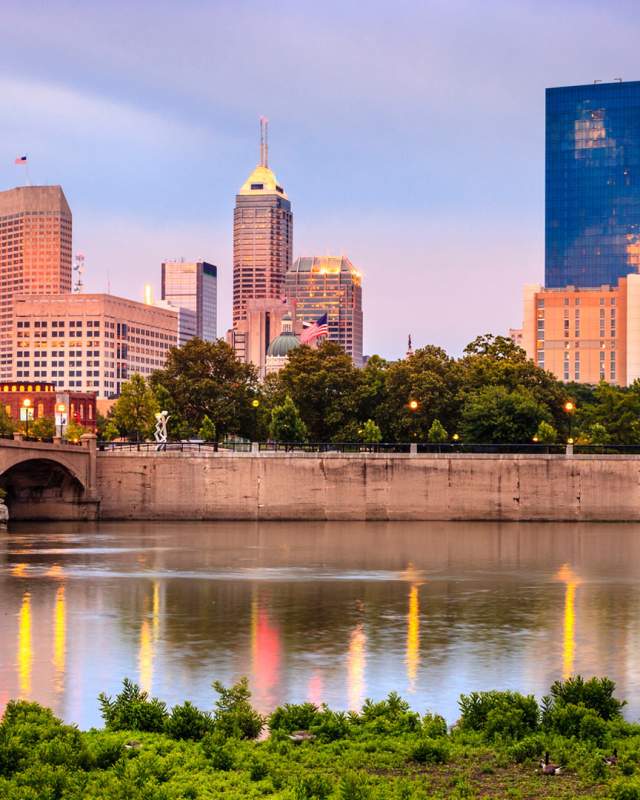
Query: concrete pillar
x=57, y=439
x=413, y=449
x=88, y=441
x=18, y=437
x=569, y=451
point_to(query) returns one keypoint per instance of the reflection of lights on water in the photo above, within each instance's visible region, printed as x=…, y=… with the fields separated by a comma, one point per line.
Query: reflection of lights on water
x=571, y=581
x=265, y=653
x=25, y=653
x=145, y=656
x=59, y=637
x=18, y=570
x=413, y=637
x=315, y=689
x=149, y=634
x=356, y=659
x=54, y=571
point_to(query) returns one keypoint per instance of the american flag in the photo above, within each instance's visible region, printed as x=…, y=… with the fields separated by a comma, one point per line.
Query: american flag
x=20, y=160
x=315, y=331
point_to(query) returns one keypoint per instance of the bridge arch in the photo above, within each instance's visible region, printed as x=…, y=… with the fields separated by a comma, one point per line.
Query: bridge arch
x=42, y=488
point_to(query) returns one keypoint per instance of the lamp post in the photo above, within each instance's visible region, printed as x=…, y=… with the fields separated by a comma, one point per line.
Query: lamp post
x=570, y=409
x=26, y=404
x=255, y=404
x=61, y=409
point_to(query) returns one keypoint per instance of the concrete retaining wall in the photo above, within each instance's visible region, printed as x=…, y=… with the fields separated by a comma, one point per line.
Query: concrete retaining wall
x=362, y=487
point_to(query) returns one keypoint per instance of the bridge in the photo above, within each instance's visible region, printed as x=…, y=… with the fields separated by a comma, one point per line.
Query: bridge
x=50, y=480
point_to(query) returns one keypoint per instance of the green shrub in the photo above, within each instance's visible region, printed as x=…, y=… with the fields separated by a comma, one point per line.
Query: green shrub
x=234, y=714
x=188, y=722
x=353, y=786
x=505, y=713
x=576, y=721
x=292, y=717
x=596, y=693
x=430, y=751
x=392, y=715
x=132, y=710
x=312, y=787
x=105, y=749
x=258, y=769
x=220, y=754
x=624, y=789
x=331, y=725
x=530, y=747
x=433, y=726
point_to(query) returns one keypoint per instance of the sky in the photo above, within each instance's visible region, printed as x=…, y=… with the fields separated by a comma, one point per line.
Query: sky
x=409, y=136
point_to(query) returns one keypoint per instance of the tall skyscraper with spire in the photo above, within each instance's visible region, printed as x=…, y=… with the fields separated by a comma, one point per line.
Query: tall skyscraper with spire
x=262, y=235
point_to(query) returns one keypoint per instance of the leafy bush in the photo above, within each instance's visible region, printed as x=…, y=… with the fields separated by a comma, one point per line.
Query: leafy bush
x=105, y=749
x=221, y=754
x=390, y=715
x=624, y=789
x=506, y=713
x=433, y=725
x=430, y=751
x=331, y=725
x=132, y=710
x=258, y=769
x=353, y=786
x=291, y=717
x=596, y=693
x=188, y=722
x=312, y=787
x=530, y=747
x=234, y=714
x=576, y=721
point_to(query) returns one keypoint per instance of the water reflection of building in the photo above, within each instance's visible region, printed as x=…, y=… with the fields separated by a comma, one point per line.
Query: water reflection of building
x=413, y=637
x=356, y=662
x=25, y=647
x=571, y=582
x=266, y=653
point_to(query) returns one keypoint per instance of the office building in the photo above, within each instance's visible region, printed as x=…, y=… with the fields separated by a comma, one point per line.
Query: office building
x=262, y=236
x=193, y=285
x=331, y=285
x=35, y=253
x=585, y=334
x=262, y=323
x=89, y=342
x=592, y=228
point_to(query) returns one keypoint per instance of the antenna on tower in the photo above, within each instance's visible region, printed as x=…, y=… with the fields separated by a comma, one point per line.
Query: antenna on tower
x=264, y=142
x=78, y=268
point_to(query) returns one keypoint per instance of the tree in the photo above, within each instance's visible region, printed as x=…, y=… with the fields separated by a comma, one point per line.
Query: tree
x=546, y=433
x=110, y=431
x=286, y=423
x=74, y=431
x=495, y=414
x=207, y=430
x=326, y=388
x=43, y=428
x=205, y=378
x=597, y=434
x=437, y=432
x=370, y=433
x=7, y=426
x=135, y=409
x=431, y=379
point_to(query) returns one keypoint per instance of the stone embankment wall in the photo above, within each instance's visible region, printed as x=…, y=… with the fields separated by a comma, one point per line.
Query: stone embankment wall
x=368, y=487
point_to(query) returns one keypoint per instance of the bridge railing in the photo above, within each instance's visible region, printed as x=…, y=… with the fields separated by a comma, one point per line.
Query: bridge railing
x=378, y=447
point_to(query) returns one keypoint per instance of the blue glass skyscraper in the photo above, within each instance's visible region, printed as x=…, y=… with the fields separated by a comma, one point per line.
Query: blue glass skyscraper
x=592, y=224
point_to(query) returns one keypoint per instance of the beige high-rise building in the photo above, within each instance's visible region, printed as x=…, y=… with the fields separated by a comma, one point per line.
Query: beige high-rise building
x=262, y=236
x=89, y=342
x=331, y=285
x=35, y=253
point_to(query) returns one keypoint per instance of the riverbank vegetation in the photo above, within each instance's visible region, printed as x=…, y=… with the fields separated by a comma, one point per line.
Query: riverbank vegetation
x=303, y=752
x=492, y=394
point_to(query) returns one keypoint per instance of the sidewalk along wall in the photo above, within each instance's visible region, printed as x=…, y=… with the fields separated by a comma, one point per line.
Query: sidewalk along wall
x=368, y=487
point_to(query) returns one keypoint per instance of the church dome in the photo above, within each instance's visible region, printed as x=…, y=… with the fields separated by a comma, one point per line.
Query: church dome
x=283, y=344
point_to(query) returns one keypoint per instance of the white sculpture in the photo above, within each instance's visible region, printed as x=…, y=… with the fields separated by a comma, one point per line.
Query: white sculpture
x=160, y=433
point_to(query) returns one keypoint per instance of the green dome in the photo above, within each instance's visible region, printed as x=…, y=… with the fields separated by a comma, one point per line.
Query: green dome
x=283, y=344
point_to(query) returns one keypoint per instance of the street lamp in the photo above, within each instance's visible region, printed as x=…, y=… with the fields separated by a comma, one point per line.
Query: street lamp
x=413, y=405
x=61, y=409
x=570, y=409
x=255, y=404
x=28, y=411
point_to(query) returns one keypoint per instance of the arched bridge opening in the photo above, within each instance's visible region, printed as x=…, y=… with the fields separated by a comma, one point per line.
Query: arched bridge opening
x=41, y=488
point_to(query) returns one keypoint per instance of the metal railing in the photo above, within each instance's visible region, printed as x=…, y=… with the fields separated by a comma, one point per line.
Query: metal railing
x=360, y=447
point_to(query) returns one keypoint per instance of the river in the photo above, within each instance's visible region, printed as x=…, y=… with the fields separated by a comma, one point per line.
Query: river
x=328, y=612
